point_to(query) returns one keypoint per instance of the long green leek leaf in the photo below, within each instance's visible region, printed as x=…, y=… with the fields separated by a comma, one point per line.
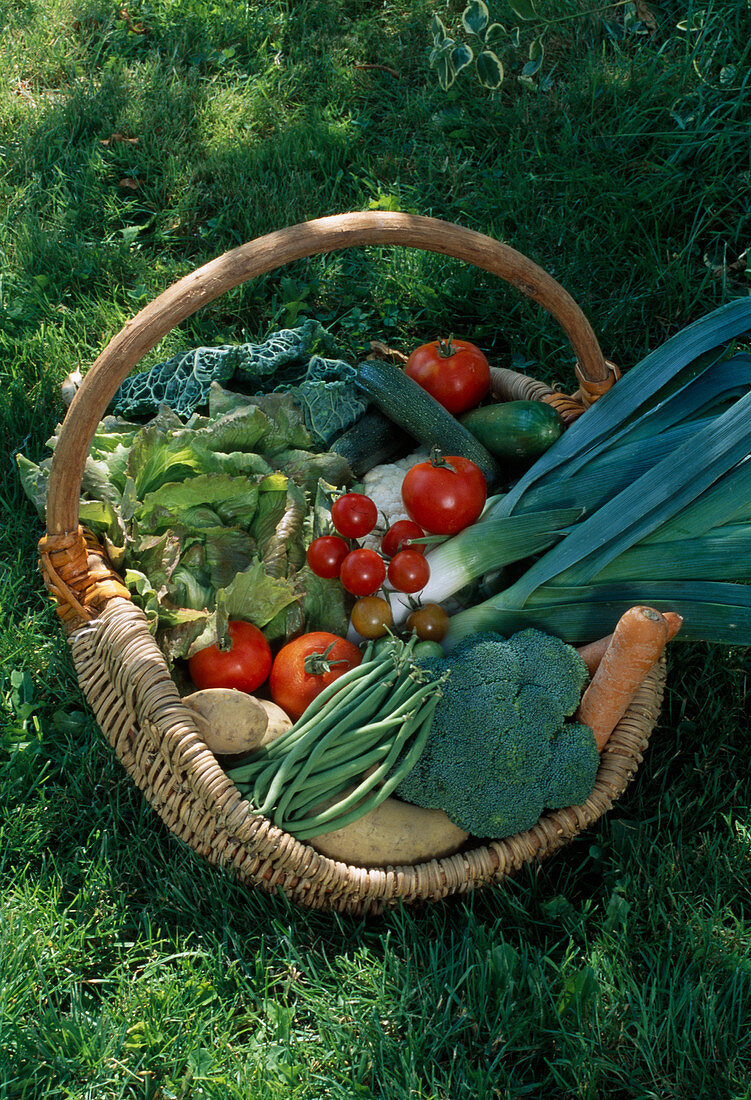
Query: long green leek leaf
x=675, y=402
x=661, y=467
x=712, y=611
x=612, y=472
x=647, y=502
x=590, y=480
x=720, y=384
x=727, y=501
x=639, y=385
x=483, y=548
x=715, y=557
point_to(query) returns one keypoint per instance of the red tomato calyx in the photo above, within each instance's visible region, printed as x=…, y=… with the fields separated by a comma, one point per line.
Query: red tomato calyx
x=437, y=459
x=446, y=347
x=318, y=663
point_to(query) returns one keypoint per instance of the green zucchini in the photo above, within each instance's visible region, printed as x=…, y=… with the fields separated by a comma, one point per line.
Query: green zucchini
x=515, y=429
x=409, y=406
x=371, y=440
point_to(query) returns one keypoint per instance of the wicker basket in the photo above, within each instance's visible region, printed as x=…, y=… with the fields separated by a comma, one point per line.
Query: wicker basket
x=124, y=675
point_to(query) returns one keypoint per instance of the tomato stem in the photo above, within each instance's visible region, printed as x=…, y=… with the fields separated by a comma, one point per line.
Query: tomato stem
x=446, y=347
x=318, y=664
x=437, y=459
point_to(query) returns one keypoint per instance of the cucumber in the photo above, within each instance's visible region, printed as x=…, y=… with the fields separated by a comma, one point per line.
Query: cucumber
x=409, y=406
x=515, y=429
x=370, y=441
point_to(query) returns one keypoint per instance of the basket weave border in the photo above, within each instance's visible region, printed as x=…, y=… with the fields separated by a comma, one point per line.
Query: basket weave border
x=125, y=679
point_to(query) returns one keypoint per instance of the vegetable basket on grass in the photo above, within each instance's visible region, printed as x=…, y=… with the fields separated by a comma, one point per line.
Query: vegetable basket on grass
x=127, y=682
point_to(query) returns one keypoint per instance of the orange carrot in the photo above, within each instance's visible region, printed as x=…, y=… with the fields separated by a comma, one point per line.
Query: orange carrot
x=637, y=643
x=593, y=652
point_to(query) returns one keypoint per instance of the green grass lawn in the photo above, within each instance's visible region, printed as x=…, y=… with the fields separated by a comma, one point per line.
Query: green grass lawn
x=137, y=143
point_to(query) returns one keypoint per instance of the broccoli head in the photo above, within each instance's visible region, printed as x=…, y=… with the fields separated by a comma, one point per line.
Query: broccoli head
x=497, y=748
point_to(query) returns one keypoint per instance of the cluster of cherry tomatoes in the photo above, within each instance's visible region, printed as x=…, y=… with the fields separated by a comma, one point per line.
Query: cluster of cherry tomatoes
x=363, y=571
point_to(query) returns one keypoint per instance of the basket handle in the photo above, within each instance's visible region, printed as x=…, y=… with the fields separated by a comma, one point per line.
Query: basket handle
x=264, y=254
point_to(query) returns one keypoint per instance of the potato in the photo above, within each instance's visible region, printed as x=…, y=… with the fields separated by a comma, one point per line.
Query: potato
x=394, y=832
x=229, y=721
x=279, y=722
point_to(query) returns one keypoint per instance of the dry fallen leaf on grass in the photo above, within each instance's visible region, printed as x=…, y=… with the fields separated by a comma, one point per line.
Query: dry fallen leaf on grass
x=118, y=138
x=135, y=28
x=646, y=16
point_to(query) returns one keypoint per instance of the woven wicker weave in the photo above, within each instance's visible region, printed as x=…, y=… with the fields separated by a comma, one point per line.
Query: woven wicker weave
x=124, y=675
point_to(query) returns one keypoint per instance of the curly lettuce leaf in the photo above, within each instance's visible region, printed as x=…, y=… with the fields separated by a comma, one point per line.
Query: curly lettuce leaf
x=255, y=596
x=236, y=463
x=306, y=468
x=324, y=606
x=158, y=458
x=272, y=504
x=182, y=620
x=252, y=595
x=285, y=548
x=207, y=500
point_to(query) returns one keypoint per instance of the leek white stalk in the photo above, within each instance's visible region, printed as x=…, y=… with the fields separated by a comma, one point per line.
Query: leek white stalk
x=484, y=547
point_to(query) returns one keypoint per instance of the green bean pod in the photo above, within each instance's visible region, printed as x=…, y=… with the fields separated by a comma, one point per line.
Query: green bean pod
x=315, y=827
x=327, y=784
x=348, y=733
x=274, y=776
x=314, y=718
x=294, y=777
x=412, y=723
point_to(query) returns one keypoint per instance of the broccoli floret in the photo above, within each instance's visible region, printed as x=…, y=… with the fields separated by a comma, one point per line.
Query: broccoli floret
x=488, y=762
x=495, y=657
x=552, y=665
x=573, y=764
x=500, y=810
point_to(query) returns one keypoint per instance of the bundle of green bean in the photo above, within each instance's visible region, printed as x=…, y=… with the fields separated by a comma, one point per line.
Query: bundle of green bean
x=369, y=728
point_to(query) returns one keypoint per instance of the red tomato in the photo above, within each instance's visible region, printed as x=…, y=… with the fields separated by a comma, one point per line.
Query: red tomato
x=444, y=495
x=244, y=666
x=326, y=554
x=362, y=572
x=354, y=515
x=408, y=571
x=454, y=372
x=397, y=535
x=306, y=665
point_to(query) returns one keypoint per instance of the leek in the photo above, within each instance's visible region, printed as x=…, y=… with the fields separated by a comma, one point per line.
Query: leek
x=660, y=471
x=712, y=611
x=662, y=374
